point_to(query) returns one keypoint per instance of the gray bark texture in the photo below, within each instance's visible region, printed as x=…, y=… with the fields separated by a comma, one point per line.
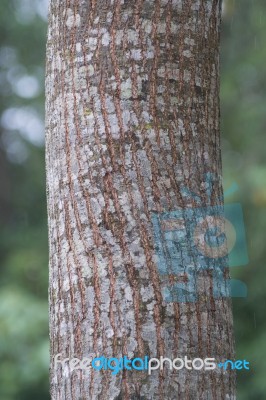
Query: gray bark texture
x=132, y=116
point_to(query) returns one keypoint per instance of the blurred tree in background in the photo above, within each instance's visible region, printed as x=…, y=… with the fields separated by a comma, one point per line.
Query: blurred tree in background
x=23, y=235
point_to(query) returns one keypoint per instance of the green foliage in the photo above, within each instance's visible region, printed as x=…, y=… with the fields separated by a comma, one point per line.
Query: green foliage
x=24, y=343
x=243, y=98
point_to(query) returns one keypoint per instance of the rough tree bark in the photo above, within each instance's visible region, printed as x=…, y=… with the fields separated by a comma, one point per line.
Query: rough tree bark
x=132, y=116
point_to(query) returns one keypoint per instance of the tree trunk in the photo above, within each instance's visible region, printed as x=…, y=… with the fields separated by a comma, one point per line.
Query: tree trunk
x=132, y=120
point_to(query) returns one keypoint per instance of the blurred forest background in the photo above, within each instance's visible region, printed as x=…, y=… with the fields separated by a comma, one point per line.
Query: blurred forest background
x=23, y=235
